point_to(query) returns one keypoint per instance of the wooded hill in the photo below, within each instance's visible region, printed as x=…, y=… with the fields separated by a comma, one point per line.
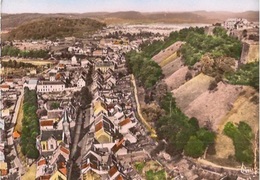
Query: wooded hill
x=51, y=28
x=10, y=21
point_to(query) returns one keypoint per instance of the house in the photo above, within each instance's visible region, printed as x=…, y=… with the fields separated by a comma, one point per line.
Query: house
x=50, y=86
x=41, y=169
x=98, y=53
x=5, y=112
x=125, y=125
x=16, y=135
x=49, y=140
x=99, y=107
x=119, y=148
x=104, y=65
x=61, y=67
x=31, y=84
x=81, y=82
x=3, y=169
x=33, y=72
x=74, y=61
x=115, y=174
x=4, y=87
x=53, y=167
x=104, y=130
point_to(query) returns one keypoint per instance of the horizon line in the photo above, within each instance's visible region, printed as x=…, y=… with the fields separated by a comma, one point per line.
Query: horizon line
x=130, y=11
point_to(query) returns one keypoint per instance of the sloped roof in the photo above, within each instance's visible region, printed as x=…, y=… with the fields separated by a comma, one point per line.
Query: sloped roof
x=118, y=145
x=46, y=123
x=124, y=122
x=112, y=171
x=57, y=134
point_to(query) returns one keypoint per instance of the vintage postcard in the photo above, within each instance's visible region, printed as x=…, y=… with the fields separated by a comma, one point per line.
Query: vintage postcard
x=129, y=89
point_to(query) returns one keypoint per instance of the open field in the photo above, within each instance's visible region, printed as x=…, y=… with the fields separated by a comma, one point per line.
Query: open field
x=168, y=59
x=172, y=67
x=167, y=53
x=212, y=106
x=192, y=89
x=177, y=79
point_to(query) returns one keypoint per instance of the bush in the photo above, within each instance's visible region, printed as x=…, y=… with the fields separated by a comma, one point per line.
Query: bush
x=241, y=136
x=194, y=147
x=213, y=85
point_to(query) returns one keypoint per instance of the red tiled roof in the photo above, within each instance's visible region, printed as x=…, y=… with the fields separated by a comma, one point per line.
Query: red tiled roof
x=112, y=171
x=118, y=145
x=45, y=177
x=8, y=80
x=46, y=123
x=124, y=122
x=3, y=172
x=84, y=166
x=65, y=150
x=119, y=177
x=41, y=162
x=98, y=126
x=16, y=134
x=4, y=86
x=63, y=171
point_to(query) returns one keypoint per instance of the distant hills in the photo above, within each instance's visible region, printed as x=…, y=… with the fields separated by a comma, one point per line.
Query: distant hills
x=55, y=27
x=10, y=21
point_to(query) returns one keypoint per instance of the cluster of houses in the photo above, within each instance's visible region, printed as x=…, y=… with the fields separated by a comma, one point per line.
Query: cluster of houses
x=112, y=131
x=3, y=163
x=238, y=24
x=10, y=91
x=53, y=143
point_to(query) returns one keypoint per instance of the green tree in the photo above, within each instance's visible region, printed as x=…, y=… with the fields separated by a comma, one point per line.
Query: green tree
x=194, y=147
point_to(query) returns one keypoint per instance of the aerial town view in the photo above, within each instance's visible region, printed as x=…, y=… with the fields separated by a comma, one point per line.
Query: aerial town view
x=129, y=90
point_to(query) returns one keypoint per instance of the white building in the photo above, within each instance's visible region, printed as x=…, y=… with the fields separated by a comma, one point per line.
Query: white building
x=31, y=84
x=74, y=61
x=81, y=83
x=50, y=86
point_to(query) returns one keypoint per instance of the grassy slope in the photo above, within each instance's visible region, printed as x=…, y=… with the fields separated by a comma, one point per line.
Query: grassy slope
x=189, y=91
x=243, y=110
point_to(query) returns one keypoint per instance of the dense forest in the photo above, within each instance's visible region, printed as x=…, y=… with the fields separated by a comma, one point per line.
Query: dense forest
x=15, y=64
x=52, y=28
x=30, y=128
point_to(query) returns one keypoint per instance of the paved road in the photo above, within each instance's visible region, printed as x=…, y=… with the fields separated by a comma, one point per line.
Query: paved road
x=10, y=140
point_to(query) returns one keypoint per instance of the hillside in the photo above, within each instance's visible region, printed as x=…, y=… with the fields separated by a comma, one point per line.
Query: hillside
x=51, y=28
x=10, y=21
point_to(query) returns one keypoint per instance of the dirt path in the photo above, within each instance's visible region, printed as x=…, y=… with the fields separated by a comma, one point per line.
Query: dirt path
x=147, y=125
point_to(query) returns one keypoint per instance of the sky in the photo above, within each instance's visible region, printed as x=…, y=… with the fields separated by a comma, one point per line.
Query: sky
x=81, y=6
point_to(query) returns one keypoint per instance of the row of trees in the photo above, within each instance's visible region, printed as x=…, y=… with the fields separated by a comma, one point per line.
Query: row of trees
x=242, y=136
x=15, y=64
x=30, y=128
x=180, y=132
x=15, y=52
